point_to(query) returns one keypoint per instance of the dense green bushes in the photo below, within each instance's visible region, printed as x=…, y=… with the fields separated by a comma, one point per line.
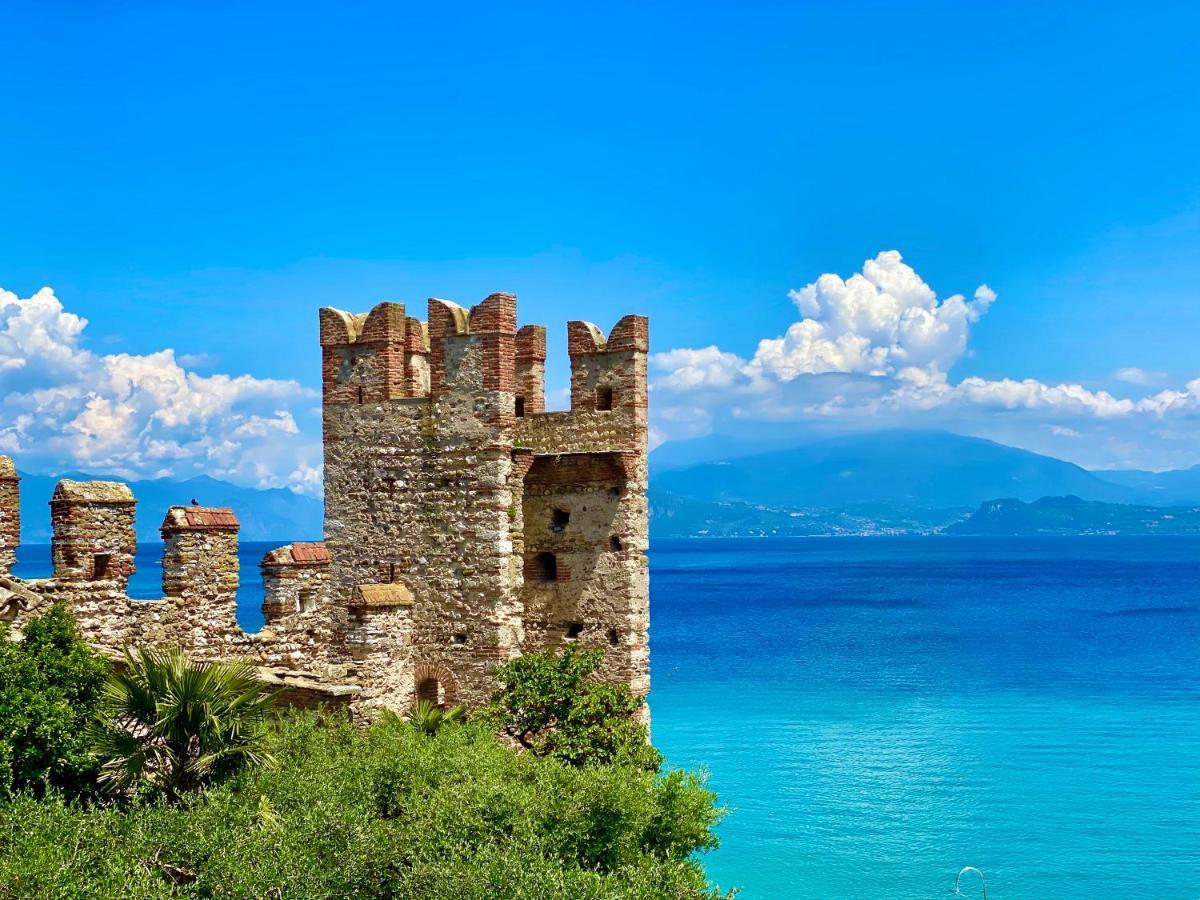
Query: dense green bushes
x=50, y=683
x=553, y=705
x=427, y=807
x=382, y=811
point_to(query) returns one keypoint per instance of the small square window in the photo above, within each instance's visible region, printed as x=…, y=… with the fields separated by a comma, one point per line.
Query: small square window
x=306, y=600
x=100, y=566
x=559, y=519
x=604, y=398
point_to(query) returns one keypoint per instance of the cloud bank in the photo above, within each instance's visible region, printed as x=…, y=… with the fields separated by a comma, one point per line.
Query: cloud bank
x=875, y=350
x=64, y=407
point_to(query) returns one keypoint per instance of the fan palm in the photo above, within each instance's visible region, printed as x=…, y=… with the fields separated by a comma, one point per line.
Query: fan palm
x=173, y=724
x=428, y=717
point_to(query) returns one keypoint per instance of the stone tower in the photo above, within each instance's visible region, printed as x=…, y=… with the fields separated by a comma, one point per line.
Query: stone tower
x=464, y=524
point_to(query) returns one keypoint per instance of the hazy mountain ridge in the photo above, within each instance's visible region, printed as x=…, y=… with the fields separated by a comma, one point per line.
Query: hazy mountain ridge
x=674, y=516
x=274, y=514
x=934, y=470
x=895, y=482
x=1073, y=515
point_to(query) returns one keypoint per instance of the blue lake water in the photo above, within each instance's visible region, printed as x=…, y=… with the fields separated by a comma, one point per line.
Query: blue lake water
x=879, y=712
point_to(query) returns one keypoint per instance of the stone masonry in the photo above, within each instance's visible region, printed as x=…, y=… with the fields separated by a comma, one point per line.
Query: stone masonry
x=464, y=524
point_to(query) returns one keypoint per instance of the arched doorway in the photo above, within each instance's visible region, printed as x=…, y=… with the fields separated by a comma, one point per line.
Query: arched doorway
x=436, y=684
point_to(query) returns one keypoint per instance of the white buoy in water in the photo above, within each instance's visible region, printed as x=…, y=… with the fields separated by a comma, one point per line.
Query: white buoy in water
x=958, y=880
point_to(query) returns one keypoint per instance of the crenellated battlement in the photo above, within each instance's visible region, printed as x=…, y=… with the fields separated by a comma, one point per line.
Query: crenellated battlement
x=464, y=524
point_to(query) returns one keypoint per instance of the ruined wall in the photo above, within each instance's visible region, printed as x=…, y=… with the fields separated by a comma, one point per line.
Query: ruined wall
x=464, y=525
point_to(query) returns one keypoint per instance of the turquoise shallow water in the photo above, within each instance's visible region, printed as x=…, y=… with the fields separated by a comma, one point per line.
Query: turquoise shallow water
x=879, y=712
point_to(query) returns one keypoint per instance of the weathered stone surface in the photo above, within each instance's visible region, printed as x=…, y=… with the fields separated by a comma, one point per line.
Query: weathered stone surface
x=463, y=524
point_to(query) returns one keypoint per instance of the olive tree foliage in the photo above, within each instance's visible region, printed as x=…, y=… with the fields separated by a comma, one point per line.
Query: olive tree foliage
x=553, y=704
x=50, y=684
x=169, y=724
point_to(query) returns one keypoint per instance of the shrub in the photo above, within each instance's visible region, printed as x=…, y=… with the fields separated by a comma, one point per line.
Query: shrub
x=50, y=684
x=171, y=724
x=553, y=704
x=384, y=811
x=428, y=718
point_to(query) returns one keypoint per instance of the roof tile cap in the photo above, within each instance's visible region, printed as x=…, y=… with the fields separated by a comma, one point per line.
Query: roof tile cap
x=93, y=491
x=300, y=553
x=381, y=595
x=199, y=518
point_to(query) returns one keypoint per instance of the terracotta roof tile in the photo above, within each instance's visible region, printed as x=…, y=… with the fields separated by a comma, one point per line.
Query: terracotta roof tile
x=313, y=552
x=210, y=517
x=301, y=553
x=199, y=517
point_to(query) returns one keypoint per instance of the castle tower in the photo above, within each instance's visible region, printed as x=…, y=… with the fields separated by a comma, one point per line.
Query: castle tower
x=93, y=535
x=585, y=520
x=445, y=478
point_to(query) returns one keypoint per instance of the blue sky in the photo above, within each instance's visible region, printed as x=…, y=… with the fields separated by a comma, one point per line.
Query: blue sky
x=201, y=179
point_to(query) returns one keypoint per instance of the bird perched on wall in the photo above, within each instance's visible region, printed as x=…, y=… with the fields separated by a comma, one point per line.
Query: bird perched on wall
x=195, y=502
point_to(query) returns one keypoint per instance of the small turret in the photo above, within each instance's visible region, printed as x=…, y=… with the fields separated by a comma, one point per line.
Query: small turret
x=94, y=538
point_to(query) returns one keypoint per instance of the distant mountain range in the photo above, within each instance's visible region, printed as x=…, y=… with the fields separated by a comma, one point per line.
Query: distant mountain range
x=1072, y=515
x=875, y=483
x=889, y=482
x=265, y=515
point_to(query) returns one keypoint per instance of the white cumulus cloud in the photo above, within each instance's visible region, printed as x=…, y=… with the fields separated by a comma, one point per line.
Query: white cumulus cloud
x=67, y=407
x=1140, y=377
x=876, y=349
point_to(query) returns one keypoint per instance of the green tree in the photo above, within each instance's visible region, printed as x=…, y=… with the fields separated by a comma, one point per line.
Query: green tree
x=50, y=684
x=554, y=705
x=170, y=724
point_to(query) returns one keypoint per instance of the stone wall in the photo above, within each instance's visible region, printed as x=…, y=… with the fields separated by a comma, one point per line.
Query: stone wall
x=464, y=525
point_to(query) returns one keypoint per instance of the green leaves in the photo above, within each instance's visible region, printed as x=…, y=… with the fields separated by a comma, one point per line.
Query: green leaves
x=171, y=725
x=428, y=718
x=50, y=684
x=380, y=811
x=554, y=705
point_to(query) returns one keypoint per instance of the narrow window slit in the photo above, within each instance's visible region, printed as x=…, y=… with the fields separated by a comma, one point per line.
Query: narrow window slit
x=545, y=567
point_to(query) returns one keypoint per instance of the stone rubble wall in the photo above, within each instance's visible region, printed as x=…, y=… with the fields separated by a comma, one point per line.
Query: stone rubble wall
x=446, y=487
